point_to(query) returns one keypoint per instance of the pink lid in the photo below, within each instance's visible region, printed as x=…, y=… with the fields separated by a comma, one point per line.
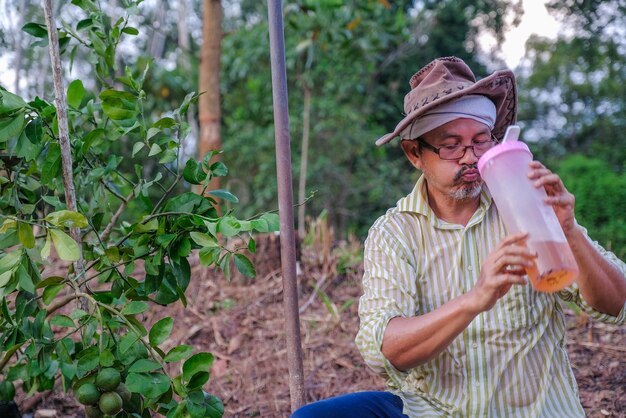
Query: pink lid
x=501, y=149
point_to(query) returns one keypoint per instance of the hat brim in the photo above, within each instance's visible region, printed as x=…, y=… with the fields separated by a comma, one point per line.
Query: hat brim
x=499, y=87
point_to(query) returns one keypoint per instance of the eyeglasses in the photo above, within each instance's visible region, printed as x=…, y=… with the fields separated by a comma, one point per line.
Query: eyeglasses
x=456, y=152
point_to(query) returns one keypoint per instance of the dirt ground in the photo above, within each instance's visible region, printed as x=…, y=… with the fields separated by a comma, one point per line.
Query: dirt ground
x=242, y=323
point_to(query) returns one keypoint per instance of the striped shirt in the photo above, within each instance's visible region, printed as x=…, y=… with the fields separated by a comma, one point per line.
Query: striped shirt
x=511, y=361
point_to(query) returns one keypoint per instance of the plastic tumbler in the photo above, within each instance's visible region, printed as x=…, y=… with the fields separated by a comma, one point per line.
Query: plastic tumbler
x=504, y=168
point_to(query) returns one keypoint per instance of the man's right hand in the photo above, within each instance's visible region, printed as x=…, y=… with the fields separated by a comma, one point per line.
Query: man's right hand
x=504, y=267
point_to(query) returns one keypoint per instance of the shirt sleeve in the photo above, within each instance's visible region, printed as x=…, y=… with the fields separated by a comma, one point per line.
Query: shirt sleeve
x=572, y=293
x=388, y=292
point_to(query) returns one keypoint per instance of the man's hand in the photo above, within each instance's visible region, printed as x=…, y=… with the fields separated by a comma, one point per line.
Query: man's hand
x=504, y=267
x=561, y=200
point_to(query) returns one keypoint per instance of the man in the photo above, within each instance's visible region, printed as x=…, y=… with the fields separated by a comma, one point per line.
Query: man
x=447, y=315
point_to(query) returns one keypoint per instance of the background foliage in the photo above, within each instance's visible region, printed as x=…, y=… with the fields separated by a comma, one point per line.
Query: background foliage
x=129, y=80
x=357, y=58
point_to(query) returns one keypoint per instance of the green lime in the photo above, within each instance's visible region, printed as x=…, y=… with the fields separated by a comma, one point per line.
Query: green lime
x=93, y=412
x=108, y=379
x=110, y=403
x=7, y=391
x=124, y=393
x=87, y=394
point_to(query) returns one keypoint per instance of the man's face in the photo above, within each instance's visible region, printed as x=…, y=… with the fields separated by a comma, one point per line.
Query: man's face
x=457, y=179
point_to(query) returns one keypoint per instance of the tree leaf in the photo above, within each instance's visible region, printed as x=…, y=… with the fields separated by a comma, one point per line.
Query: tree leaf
x=118, y=105
x=89, y=359
x=66, y=247
x=219, y=169
x=151, y=225
x=127, y=341
x=25, y=234
x=36, y=29
x=150, y=385
x=29, y=143
x=85, y=23
x=224, y=194
x=11, y=127
x=24, y=279
x=10, y=102
x=45, y=250
x=189, y=98
x=202, y=239
x=143, y=366
x=8, y=224
x=92, y=139
x=130, y=30
x=168, y=156
x=198, y=380
x=160, y=331
x=154, y=150
x=50, y=293
x=197, y=363
x=49, y=281
x=137, y=147
x=75, y=93
x=229, y=226
x=214, y=406
x=10, y=260
x=67, y=218
x=273, y=221
x=52, y=164
x=224, y=264
x=164, y=123
x=5, y=278
x=62, y=321
x=245, y=266
x=209, y=255
x=135, y=307
x=178, y=353
x=193, y=172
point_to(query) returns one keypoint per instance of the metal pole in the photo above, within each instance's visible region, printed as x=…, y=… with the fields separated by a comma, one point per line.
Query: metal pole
x=285, y=203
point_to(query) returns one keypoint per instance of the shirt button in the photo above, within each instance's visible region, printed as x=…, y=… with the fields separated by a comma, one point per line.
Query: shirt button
x=470, y=268
x=475, y=345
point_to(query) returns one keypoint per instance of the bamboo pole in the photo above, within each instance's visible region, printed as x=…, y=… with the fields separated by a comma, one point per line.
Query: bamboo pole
x=285, y=203
x=304, y=157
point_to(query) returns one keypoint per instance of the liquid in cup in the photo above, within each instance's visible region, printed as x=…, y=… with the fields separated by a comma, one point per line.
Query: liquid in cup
x=504, y=168
x=556, y=273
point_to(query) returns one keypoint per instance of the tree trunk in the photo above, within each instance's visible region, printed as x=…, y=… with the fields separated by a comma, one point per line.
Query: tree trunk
x=18, y=46
x=184, y=61
x=209, y=81
x=304, y=157
x=157, y=42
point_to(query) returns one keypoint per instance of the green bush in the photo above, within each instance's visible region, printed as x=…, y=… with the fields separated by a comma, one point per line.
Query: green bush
x=600, y=198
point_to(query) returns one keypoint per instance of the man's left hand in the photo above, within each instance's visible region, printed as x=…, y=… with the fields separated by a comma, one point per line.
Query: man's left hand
x=561, y=200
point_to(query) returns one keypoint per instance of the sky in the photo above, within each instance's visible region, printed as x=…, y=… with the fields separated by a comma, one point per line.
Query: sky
x=536, y=20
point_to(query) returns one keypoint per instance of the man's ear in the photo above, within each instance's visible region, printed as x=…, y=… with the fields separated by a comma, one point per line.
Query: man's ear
x=411, y=150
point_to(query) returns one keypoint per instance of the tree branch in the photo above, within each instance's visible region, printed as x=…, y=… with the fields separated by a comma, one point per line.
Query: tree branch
x=64, y=136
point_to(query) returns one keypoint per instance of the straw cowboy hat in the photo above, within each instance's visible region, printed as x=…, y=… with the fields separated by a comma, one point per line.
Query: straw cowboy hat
x=449, y=78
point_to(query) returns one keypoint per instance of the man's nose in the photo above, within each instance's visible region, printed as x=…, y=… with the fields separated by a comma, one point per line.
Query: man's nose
x=469, y=157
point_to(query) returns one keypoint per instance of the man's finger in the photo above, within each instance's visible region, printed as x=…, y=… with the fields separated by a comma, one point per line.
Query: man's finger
x=513, y=238
x=548, y=180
